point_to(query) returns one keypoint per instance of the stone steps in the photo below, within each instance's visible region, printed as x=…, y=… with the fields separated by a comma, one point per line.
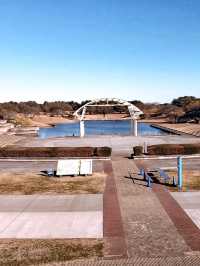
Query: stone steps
x=191, y=129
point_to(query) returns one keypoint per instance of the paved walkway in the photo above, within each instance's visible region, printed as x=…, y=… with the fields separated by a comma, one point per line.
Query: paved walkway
x=185, y=226
x=148, y=229
x=72, y=216
x=114, y=238
x=119, y=144
x=190, y=202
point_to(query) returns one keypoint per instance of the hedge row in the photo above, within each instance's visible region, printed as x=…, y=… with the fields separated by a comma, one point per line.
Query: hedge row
x=138, y=150
x=170, y=149
x=55, y=152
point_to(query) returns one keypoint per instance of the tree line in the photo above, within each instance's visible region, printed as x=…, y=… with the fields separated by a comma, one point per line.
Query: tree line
x=181, y=109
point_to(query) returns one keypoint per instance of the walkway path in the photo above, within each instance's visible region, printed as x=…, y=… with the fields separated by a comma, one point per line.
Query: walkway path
x=119, y=144
x=148, y=229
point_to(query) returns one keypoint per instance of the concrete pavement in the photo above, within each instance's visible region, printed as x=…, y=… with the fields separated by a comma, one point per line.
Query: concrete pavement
x=188, y=163
x=45, y=225
x=38, y=166
x=190, y=202
x=35, y=216
x=119, y=144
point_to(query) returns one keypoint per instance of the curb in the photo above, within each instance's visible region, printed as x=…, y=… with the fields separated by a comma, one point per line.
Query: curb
x=166, y=157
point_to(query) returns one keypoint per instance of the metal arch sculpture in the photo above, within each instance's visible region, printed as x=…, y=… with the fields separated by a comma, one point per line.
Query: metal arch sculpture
x=134, y=111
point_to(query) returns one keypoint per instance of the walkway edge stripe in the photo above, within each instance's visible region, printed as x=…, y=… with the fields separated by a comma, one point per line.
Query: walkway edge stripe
x=115, y=244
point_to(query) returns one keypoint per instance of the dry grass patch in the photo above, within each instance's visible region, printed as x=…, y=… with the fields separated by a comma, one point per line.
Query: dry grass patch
x=6, y=140
x=36, y=183
x=35, y=252
x=191, y=180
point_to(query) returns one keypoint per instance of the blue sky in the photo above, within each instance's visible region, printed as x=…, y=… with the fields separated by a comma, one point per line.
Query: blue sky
x=85, y=49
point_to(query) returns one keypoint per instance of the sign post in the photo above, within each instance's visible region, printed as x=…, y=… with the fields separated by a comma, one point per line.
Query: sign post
x=180, y=172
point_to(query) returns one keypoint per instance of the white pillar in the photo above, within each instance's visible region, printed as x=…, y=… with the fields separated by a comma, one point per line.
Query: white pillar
x=145, y=148
x=135, y=128
x=82, y=128
x=131, y=132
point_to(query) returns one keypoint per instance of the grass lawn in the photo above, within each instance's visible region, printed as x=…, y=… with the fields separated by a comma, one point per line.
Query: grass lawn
x=22, y=183
x=191, y=180
x=35, y=252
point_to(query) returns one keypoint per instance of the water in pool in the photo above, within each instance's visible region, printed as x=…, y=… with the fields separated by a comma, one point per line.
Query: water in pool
x=108, y=127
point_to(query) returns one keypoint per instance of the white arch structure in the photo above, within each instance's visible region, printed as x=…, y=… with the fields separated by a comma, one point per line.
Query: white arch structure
x=134, y=111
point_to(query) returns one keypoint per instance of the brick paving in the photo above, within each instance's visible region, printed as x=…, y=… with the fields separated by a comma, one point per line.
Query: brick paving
x=113, y=229
x=182, y=221
x=184, y=224
x=149, y=231
x=165, y=261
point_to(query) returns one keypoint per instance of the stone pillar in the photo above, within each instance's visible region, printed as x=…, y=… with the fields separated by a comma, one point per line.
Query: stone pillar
x=82, y=128
x=135, y=128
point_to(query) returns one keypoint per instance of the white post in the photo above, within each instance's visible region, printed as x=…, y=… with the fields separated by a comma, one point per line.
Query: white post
x=135, y=127
x=131, y=132
x=82, y=128
x=145, y=147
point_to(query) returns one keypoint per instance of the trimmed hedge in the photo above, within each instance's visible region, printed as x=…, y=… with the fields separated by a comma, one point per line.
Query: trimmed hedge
x=55, y=152
x=170, y=149
x=102, y=151
x=137, y=150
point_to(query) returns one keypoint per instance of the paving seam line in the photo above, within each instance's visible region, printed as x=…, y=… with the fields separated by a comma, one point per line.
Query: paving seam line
x=19, y=213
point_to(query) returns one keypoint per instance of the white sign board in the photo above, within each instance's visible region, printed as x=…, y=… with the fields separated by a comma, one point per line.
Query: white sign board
x=68, y=167
x=86, y=167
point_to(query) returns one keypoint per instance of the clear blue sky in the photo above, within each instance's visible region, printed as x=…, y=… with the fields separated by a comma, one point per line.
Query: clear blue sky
x=84, y=49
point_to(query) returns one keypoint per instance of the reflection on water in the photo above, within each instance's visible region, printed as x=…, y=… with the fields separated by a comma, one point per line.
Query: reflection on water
x=108, y=127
